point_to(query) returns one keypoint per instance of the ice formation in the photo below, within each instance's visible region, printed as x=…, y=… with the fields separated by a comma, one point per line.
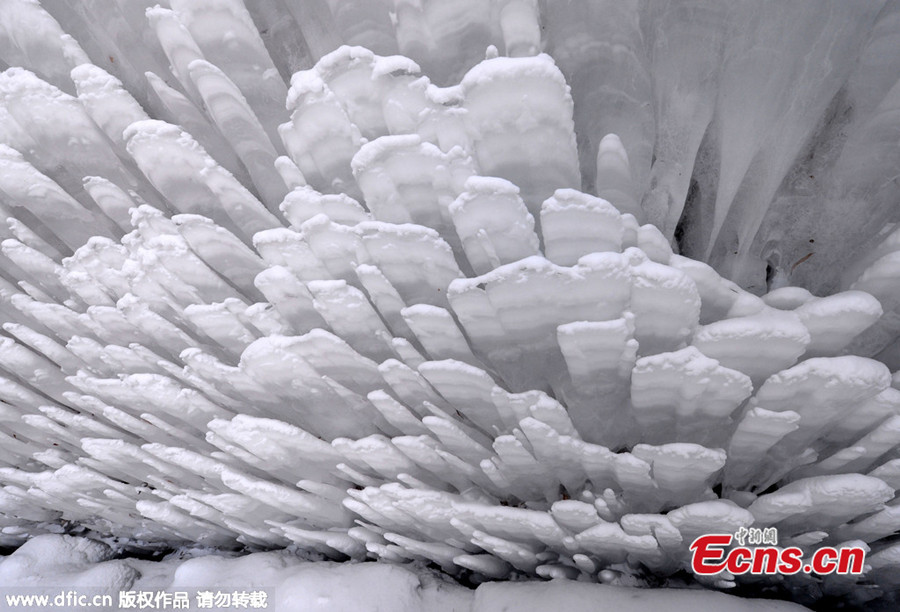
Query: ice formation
x=261, y=288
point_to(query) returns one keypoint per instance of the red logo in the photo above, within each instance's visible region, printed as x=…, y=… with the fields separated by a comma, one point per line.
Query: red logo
x=711, y=555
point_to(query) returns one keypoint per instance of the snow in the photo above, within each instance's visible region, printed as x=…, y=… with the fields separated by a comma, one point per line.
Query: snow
x=106, y=101
x=48, y=201
x=217, y=195
x=532, y=141
x=687, y=391
x=777, y=339
x=579, y=596
x=394, y=64
x=500, y=310
x=825, y=497
x=493, y=224
x=835, y=320
x=234, y=117
x=303, y=203
x=575, y=224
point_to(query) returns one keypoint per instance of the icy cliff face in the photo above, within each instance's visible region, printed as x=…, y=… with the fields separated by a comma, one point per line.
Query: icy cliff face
x=385, y=312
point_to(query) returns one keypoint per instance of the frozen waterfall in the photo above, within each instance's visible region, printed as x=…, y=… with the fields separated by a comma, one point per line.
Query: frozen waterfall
x=505, y=288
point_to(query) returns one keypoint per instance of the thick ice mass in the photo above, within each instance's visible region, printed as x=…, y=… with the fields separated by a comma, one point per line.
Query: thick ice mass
x=612, y=276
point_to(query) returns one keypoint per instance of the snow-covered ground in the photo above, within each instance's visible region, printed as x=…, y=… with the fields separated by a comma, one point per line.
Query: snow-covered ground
x=54, y=564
